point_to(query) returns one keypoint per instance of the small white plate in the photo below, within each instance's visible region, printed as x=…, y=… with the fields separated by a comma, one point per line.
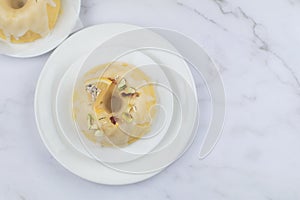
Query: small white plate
x=64, y=26
x=79, y=44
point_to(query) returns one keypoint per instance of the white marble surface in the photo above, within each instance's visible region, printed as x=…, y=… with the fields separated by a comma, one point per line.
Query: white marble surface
x=256, y=44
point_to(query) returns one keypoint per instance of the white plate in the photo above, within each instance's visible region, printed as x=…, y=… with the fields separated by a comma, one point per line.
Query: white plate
x=68, y=126
x=65, y=55
x=65, y=23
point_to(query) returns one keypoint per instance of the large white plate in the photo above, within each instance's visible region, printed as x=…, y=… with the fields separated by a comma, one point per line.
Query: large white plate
x=58, y=63
x=64, y=26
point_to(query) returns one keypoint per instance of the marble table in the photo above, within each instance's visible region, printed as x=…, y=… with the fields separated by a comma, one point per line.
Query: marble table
x=255, y=44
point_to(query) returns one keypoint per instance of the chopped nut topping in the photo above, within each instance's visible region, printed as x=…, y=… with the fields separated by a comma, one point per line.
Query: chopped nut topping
x=129, y=92
x=94, y=127
x=93, y=91
x=99, y=133
x=90, y=119
x=113, y=120
x=131, y=108
x=127, y=117
x=122, y=84
x=113, y=80
x=91, y=123
x=136, y=94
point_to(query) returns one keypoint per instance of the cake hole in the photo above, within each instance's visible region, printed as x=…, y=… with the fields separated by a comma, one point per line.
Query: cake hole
x=17, y=4
x=113, y=104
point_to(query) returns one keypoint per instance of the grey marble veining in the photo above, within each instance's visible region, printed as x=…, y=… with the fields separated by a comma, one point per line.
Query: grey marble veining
x=255, y=44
